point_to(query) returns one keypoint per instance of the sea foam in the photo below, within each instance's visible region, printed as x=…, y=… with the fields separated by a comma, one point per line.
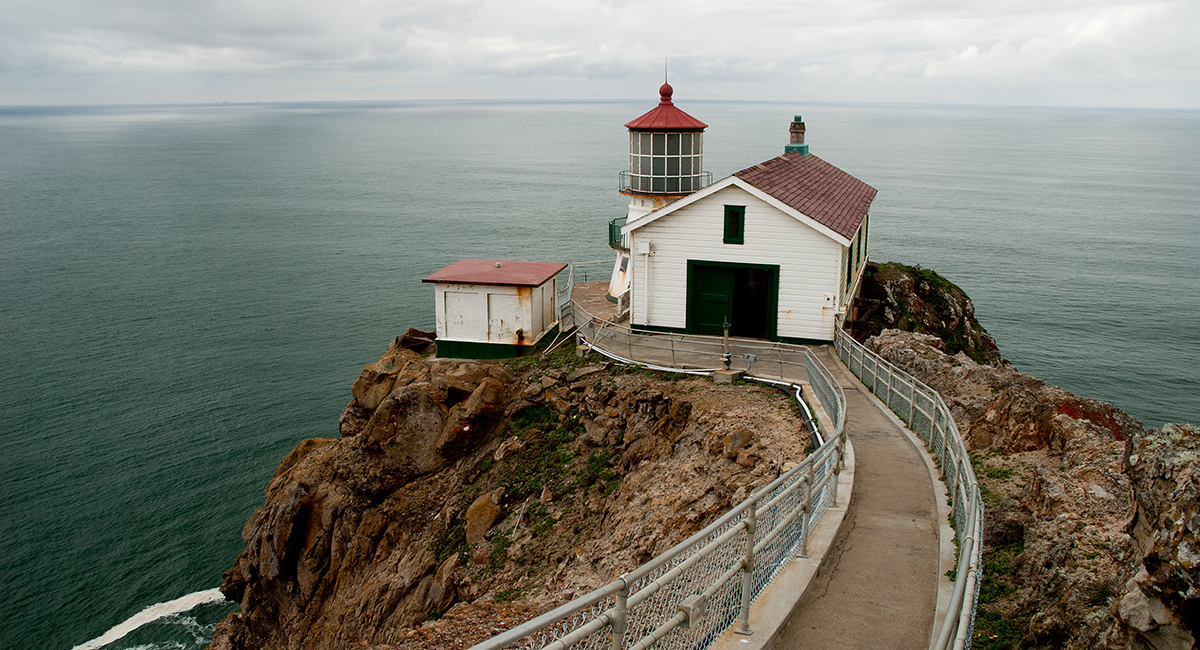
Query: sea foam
x=151, y=614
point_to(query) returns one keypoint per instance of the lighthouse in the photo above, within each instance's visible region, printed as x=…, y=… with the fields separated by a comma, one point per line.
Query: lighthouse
x=666, y=163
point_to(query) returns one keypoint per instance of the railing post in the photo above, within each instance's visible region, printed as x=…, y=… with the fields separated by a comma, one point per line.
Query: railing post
x=620, y=619
x=912, y=401
x=804, y=518
x=748, y=569
x=838, y=465
x=890, y=379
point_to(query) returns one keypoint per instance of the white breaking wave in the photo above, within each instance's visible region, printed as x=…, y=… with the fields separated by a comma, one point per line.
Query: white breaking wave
x=151, y=614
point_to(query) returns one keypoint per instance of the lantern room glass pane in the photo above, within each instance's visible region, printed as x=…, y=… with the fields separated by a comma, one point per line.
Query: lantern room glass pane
x=660, y=166
x=633, y=143
x=672, y=184
x=685, y=144
x=658, y=184
x=685, y=165
x=685, y=184
x=697, y=143
x=644, y=148
x=660, y=144
x=672, y=144
x=672, y=166
x=645, y=165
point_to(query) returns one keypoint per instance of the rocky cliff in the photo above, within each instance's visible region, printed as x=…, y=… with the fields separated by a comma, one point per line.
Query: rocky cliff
x=464, y=497
x=913, y=299
x=1091, y=520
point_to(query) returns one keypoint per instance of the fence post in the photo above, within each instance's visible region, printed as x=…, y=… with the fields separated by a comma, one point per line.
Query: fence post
x=838, y=465
x=748, y=569
x=891, y=379
x=620, y=618
x=912, y=400
x=804, y=517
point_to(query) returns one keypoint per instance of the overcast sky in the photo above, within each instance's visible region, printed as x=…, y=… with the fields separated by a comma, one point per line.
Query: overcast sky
x=1022, y=52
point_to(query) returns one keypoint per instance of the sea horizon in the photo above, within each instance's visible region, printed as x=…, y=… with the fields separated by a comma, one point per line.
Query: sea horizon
x=599, y=101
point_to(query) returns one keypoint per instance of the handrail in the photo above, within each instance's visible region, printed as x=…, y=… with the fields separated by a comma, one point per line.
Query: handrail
x=926, y=414
x=616, y=240
x=697, y=181
x=687, y=596
x=577, y=272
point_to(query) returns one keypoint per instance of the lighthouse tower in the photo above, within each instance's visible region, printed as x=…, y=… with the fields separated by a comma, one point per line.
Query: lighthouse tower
x=666, y=162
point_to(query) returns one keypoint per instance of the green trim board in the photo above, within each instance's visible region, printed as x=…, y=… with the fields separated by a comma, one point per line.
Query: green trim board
x=448, y=349
x=658, y=328
x=745, y=295
x=451, y=349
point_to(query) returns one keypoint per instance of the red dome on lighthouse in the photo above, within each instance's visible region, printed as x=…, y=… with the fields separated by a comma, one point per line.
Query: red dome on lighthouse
x=666, y=116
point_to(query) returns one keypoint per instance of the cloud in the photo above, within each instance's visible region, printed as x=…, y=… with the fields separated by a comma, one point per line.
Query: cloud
x=904, y=50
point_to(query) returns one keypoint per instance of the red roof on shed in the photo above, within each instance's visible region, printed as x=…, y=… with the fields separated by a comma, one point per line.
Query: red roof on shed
x=814, y=187
x=498, y=272
x=666, y=117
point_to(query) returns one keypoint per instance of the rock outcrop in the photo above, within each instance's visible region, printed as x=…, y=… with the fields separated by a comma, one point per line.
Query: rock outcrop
x=913, y=299
x=1160, y=606
x=997, y=407
x=1091, y=520
x=468, y=492
x=1056, y=499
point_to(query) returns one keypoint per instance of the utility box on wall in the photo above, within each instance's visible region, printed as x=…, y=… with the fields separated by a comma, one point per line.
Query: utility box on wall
x=494, y=309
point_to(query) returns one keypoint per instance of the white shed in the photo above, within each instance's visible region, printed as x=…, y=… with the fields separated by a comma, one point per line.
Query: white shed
x=776, y=250
x=494, y=309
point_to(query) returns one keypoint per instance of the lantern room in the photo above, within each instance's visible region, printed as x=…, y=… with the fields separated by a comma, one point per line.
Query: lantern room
x=666, y=152
x=666, y=163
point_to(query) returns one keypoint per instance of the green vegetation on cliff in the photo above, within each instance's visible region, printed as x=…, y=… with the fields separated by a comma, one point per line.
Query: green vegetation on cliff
x=913, y=299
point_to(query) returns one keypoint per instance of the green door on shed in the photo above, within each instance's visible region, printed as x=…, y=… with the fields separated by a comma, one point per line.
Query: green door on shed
x=712, y=299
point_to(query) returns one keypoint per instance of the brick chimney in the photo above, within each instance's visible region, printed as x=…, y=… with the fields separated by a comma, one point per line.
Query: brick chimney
x=797, y=141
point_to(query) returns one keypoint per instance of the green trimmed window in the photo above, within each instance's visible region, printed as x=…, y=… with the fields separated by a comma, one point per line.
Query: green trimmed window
x=735, y=224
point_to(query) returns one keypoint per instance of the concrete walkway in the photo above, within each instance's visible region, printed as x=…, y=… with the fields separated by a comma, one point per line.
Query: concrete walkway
x=878, y=587
x=877, y=580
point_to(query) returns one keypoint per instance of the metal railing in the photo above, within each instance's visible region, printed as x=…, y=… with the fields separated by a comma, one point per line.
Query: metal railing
x=616, y=240
x=594, y=271
x=643, y=184
x=689, y=595
x=926, y=414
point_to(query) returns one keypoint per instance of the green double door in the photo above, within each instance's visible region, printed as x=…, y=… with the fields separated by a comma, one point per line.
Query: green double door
x=744, y=295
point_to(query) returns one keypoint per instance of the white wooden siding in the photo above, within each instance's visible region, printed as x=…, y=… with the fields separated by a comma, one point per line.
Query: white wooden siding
x=462, y=313
x=493, y=314
x=810, y=264
x=538, y=312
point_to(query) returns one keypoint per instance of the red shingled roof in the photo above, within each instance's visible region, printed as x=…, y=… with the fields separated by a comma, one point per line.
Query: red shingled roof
x=816, y=188
x=513, y=274
x=666, y=117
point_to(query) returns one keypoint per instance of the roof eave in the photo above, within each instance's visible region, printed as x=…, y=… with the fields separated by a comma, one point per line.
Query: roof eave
x=733, y=180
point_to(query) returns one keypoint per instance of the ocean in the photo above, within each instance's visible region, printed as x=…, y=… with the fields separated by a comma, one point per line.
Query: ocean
x=188, y=291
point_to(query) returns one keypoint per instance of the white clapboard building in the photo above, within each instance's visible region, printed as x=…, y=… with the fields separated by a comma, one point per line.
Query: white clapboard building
x=776, y=250
x=494, y=309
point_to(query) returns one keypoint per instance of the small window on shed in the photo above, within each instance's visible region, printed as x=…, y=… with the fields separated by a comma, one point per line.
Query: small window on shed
x=735, y=224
